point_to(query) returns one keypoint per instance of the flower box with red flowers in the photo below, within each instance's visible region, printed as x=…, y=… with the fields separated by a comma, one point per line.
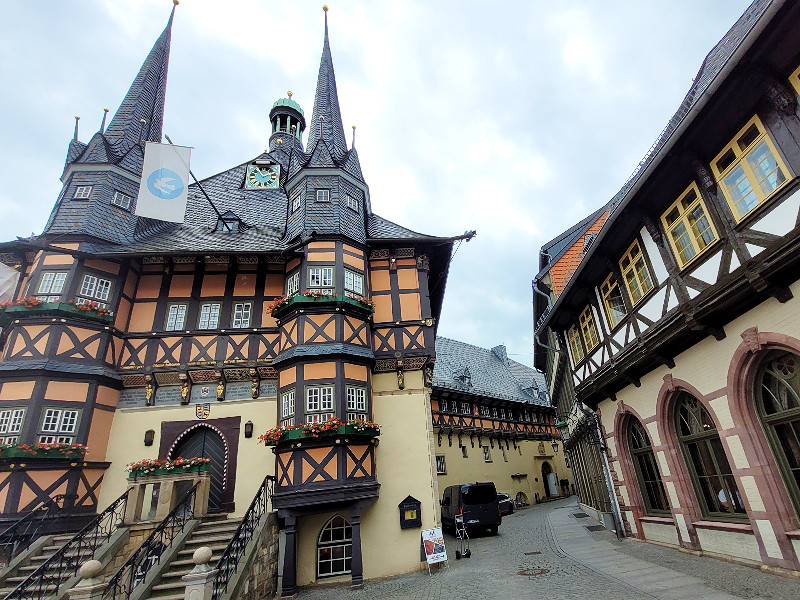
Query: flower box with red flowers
x=332, y=427
x=38, y=451
x=152, y=467
x=33, y=307
x=283, y=305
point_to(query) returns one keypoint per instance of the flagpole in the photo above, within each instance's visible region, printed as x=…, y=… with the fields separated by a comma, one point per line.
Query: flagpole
x=216, y=210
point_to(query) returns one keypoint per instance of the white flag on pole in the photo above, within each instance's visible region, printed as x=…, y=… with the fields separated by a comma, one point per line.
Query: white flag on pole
x=165, y=179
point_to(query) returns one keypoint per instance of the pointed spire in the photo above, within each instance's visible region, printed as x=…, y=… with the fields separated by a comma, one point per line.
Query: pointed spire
x=75, y=135
x=326, y=122
x=145, y=98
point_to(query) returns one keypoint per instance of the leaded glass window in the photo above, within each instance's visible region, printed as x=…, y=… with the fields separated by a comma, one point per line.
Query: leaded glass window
x=644, y=462
x=778, y=399
x=709, y=469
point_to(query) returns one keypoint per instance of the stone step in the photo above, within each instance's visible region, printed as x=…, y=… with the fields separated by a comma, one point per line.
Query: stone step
x=172, y=573
x=215, y=548
x=217, y=527
x=205, y=540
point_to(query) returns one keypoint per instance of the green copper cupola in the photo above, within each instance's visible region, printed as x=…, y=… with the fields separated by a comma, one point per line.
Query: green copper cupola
x=288, y=123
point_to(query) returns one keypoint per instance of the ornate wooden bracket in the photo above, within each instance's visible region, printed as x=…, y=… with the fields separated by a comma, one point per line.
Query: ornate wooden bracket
x=704, y=176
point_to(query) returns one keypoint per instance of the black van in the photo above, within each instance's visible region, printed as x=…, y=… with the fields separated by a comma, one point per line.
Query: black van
x=476, y=502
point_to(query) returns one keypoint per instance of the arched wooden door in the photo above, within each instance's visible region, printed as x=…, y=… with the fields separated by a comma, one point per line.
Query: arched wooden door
x=204, y=442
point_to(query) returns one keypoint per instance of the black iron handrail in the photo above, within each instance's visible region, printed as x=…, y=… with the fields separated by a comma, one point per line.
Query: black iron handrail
x=20, y=534
x=136, y=568
x=51, y=574
x=228, y=563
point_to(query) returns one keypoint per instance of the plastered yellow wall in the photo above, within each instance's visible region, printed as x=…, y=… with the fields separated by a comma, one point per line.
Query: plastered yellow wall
x=126, y=444
x=525, y=459
x=405, y=467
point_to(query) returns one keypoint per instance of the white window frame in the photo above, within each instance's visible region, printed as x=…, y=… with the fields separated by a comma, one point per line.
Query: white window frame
x=11, y=421
x=494, y=412
x=466, y=408
x=487, y=455
x=208, y=318
x=352, y=203
x=485, y=411
x=121, y=200
x=176, y=317
x=357, y=407
x=94, y=289
x=323, y=196
x=320, y=277
x=293, y=284
x=242, y=313
x=354, y=282
x=320, y=403
x=51, y=286
x=441, y=465
x=82, y=192
x=55, y=423
x=297, y=201
x=287, y=407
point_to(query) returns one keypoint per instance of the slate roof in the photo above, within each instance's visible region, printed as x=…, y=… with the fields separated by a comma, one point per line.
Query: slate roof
x=490, y=373
x=559, y=245
x=326, y=115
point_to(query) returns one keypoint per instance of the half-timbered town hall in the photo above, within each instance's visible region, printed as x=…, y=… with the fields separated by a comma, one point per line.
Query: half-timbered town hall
x=283, y=309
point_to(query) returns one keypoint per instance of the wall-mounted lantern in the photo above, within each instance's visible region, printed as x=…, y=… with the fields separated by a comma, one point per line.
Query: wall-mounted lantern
x=410, y=513
x=248, y=429
x=555, y=447
x=149, y=436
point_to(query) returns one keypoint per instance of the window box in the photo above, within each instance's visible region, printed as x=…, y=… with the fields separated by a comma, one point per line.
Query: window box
x=37, y=451
x=283, y=305
x=153, y=468
x=32, y=307
x=330, y=428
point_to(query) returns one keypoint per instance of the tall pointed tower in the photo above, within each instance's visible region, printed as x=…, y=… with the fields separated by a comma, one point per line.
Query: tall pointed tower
x=327, y=191
x=101, y=178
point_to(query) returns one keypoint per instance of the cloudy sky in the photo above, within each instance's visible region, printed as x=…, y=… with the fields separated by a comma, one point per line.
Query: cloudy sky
x=515, y=118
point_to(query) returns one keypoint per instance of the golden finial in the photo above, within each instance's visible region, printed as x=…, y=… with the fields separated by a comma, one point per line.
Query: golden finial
x=105, y=109
x=289, y=93
x=176, y=2
x=280, y=140
x=77, y=117
x=325, y=7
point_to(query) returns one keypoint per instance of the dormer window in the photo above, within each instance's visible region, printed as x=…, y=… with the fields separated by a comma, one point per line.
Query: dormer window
x=82, y=192
x=352, y=203
x=587, y=241
x=323, y=195
x=228, y=223
x=121, y=200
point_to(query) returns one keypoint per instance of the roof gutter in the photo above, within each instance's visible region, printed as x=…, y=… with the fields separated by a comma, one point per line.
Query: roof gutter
x=732, y=62
x=467, y=236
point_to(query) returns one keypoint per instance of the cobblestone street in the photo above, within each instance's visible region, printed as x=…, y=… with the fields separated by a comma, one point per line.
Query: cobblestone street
x=545, y=552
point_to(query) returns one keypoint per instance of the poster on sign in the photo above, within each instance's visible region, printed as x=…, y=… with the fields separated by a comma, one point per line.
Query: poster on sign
x=433, y=542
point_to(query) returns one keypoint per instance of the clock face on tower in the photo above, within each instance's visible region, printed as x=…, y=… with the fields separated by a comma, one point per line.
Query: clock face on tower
x=262, y=176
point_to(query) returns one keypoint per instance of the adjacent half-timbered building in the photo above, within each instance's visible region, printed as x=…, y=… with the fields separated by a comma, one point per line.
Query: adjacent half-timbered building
x=293, y=303
x=680, y=323
x=493, y=421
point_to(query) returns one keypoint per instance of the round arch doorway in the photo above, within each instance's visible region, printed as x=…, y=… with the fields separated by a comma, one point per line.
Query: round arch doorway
x=204, y=442
x=550, y=480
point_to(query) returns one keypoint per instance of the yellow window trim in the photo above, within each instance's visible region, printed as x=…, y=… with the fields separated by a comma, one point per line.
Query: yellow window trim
x=684, y=211
x=645, y=285
x=794, y=79
x=740, y=154
x=589, y=329
x=574, y=342
x=606, y=289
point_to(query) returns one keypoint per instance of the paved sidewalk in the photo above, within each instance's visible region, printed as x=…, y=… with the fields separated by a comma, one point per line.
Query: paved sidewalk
x=545, y=552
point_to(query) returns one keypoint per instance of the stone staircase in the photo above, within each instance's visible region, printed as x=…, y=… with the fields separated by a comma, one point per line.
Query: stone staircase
x=50, y=547
x=213, y=532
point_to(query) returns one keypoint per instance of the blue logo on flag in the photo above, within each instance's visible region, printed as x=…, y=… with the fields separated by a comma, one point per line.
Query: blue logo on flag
x=165, y=183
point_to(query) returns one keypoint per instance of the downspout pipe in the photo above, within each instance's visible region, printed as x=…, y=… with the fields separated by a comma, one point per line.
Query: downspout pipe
x=536, y=290
x=601, y=447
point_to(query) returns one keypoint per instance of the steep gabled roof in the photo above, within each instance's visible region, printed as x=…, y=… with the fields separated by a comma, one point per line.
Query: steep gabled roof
x=486, y=372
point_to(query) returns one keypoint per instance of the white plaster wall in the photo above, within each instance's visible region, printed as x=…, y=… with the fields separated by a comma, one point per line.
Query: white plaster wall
x=660, y=532
x=729, y=543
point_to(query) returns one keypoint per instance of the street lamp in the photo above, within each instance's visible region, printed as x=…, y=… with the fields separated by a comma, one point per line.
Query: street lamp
x=555, y=447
